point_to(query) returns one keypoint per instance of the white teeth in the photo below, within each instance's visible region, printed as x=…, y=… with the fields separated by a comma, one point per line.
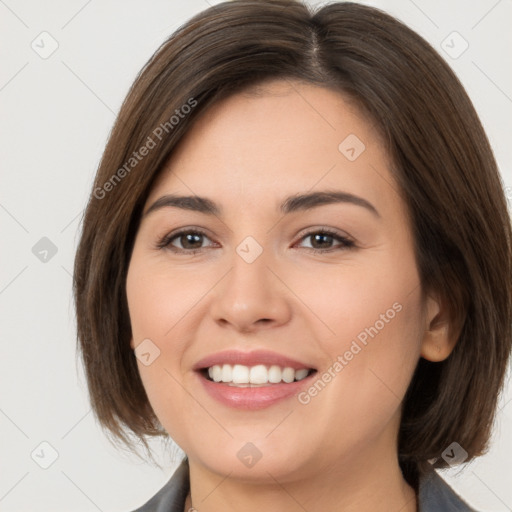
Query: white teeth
x=240, y=374
x=227, y=373
x=301, y=374
x=274, y=374
x=288, y=374
x=259, y=374
x=216, y=373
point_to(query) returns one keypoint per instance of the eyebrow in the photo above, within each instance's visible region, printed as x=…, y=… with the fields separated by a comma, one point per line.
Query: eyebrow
x=291, y=204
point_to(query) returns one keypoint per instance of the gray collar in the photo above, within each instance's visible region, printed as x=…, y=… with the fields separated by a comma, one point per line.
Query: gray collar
x=435, y=495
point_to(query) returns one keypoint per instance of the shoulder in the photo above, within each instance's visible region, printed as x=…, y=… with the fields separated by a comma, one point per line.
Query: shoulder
x=171, y=497
x=435, y=495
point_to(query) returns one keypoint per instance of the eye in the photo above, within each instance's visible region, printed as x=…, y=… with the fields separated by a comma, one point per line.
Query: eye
x=189, y=241
x=322, y=240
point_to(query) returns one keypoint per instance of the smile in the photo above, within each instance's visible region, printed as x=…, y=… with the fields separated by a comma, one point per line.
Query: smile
x=259, y=375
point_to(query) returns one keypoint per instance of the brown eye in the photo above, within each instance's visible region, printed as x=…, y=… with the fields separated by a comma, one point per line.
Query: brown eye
x=322, y=241
x=190, y=241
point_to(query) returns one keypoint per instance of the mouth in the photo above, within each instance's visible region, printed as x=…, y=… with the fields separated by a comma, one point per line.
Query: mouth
x=259, y=375
x=240, y=391
x=252, y=380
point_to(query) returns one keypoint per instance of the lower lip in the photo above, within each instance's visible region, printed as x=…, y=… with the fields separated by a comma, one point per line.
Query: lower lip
x=253, y=398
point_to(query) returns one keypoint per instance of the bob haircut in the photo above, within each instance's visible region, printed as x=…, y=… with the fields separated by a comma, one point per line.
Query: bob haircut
x=442, y=162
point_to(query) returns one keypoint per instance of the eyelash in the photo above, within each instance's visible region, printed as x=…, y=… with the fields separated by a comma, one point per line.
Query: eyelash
x=165, y=242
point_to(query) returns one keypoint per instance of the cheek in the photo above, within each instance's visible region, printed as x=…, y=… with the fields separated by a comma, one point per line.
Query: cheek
x=370, y=330
x=159, y=299
x=160, y=305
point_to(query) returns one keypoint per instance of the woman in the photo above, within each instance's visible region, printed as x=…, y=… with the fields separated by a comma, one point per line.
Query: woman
x=285, y=264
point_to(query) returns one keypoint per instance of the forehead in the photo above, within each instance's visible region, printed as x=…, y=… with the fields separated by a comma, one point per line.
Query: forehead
x=277, y=139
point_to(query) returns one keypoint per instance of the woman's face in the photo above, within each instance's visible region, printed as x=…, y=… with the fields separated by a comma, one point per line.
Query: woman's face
x=266, y=276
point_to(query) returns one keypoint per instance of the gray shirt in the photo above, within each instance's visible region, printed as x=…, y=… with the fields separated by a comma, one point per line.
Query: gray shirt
x=434, y=494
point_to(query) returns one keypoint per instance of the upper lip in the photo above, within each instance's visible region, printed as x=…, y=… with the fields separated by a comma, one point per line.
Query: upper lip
x=252, y=358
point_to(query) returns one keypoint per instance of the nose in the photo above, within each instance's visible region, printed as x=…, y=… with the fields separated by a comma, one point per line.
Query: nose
x=251, y=297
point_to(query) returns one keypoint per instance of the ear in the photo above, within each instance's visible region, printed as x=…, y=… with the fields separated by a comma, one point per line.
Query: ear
x=439, y=338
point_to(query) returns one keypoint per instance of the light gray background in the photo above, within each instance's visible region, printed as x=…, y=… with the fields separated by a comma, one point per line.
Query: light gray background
x=56, y=114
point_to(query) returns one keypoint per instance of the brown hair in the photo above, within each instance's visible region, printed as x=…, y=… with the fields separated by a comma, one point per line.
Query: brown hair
x=442, y=162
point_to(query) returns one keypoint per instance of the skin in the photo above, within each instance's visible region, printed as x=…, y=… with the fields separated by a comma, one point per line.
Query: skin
x=247, y=153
